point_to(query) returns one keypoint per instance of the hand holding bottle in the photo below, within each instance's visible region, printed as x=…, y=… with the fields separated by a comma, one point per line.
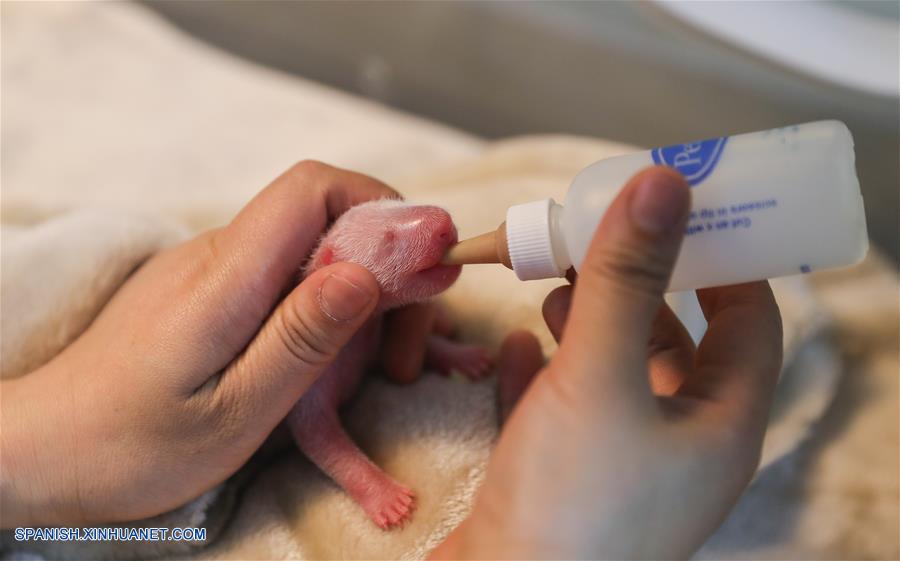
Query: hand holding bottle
x=630, y=443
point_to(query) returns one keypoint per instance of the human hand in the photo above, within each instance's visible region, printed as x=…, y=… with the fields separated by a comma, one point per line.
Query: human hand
x=631, y=443
x=189, y=367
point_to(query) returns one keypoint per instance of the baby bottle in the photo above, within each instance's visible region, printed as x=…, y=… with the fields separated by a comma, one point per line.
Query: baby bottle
x=764, y=204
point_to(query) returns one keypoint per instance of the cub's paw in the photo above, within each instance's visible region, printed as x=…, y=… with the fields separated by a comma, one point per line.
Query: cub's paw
x=389, y=506
x=472, y=361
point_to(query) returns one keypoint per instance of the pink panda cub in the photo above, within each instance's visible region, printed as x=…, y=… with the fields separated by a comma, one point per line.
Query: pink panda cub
x=402, y=246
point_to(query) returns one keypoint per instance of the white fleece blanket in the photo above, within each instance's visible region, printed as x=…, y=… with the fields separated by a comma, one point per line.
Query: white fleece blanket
x=111, y=109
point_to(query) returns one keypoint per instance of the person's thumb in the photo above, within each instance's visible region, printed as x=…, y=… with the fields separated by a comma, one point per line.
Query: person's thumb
x=301, y=338
x=621, y=283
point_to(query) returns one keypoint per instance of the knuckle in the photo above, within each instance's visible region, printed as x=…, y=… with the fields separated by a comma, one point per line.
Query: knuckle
x=302, y=337
x=224, y=407
x=207, y=258
x=309, y=167
x=632, y=269
x=211, y=242
x=309, y=175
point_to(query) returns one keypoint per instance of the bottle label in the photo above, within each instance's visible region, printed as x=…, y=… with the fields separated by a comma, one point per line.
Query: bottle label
x=695, y=160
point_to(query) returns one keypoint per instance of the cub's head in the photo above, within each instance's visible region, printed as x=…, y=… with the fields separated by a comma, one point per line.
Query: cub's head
x=399, y=243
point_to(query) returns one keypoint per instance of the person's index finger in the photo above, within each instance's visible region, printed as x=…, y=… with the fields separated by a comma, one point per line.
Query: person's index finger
x=342, y=189
x=263, y=249
x=284, y=221
x=310, y=183
x=739, y=358
x=350, y=189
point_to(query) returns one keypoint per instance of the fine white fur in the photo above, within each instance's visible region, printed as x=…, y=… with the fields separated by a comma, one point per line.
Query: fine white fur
x=377, y=235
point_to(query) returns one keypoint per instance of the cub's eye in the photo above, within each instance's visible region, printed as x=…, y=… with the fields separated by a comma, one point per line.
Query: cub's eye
x=388, y=244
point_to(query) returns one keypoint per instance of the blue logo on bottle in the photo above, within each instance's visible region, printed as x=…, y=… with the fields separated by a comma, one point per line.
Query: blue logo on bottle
x=695, y=160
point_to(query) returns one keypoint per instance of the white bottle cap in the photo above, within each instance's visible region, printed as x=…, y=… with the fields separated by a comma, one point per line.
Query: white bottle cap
x=529, y=241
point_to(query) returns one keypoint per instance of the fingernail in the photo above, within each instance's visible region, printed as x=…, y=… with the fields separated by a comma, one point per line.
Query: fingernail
x=341, y=299
x=659, y=202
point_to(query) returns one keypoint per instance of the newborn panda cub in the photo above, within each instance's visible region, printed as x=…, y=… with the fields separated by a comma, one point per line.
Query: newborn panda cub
x=402, y=246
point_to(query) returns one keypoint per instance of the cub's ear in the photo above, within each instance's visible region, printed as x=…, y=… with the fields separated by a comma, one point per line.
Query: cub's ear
x=323, y=257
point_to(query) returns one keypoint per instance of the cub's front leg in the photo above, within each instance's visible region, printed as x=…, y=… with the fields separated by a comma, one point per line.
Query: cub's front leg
x=418, y=336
